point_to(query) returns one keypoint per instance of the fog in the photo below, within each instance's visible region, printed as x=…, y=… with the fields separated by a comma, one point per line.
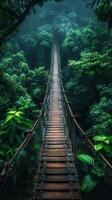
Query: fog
x=51, y=10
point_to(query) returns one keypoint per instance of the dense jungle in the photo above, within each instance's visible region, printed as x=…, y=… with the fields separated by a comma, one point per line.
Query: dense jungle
x=84, y=31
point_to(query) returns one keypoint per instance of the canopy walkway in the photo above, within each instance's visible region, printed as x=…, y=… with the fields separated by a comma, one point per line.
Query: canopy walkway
x=57, y=163
x=54, y=173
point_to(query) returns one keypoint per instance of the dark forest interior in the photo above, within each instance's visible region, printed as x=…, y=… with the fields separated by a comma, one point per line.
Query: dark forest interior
x=32, y=33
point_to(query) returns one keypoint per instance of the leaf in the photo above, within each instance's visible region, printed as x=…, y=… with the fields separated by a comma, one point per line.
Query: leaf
x=9, y=118
x=107, y=141
x=88, y=183
x=101, y=138
x=19, y=113
x=97, y=172
x=11, y=112
x=99, y=146
x=86, y=159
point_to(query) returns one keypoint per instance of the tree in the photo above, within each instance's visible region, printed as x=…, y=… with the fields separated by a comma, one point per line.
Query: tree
x=103, y=10
x=13, y=13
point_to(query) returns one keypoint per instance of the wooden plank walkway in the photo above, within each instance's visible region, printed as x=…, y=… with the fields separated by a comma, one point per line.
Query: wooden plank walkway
x=57, y=178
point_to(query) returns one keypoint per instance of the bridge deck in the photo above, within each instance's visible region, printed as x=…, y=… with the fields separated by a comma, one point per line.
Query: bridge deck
x=57, y=178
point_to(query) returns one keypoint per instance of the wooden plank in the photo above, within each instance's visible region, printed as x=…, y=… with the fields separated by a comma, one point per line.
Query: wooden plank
x=58, y=195
x=62, y=171
x=54, y=154
x=59, y=178
x=58, y=186
x=56, y=142
x=56, y=159
x=57, y=175
x=56, y=137
x=58, y=165
x=54, y=147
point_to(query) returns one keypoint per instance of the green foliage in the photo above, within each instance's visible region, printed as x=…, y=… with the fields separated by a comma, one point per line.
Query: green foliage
x=103, y=143
x=44, y=35
x=11, y=132
x=22, y=90
x=13, y=14
x=104, y=12
x=84, y=39
x=82, y=78
x=25, y=102
x=19, y=82
x=36, y=147
x=102, y=120
x=86, y=159
x=87, y=77
x=13, y=115
x=15, y=119
x=91, y=64
x=93, y=173
x=88, y=184
x=10, y=89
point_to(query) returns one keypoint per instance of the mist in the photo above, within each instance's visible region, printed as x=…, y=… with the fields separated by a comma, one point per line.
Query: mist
x=52, y=10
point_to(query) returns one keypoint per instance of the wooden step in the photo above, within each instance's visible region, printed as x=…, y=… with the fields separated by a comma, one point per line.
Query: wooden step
x=58, y=165
x=54, y=146
x=63, y=195
x=62, y=142
x=54, y=134
x=56, y=159
x=65, y=171
x=58, y=178
x=55, y=137
x=58, y=187
x=55, y=152
x=54, y=123
x=55, y=126
x=62, y=130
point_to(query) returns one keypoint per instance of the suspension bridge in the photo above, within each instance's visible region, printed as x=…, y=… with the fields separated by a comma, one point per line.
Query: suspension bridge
x=53, y=173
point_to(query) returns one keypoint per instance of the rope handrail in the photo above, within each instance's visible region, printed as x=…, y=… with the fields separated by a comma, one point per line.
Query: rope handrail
x=8, y=164
x=75, y=121
x=81, y=130
x=26, y=157
x=14, y=170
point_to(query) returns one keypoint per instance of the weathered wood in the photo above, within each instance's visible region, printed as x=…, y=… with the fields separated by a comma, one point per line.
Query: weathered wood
x=64, y=195
x=57, y=178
